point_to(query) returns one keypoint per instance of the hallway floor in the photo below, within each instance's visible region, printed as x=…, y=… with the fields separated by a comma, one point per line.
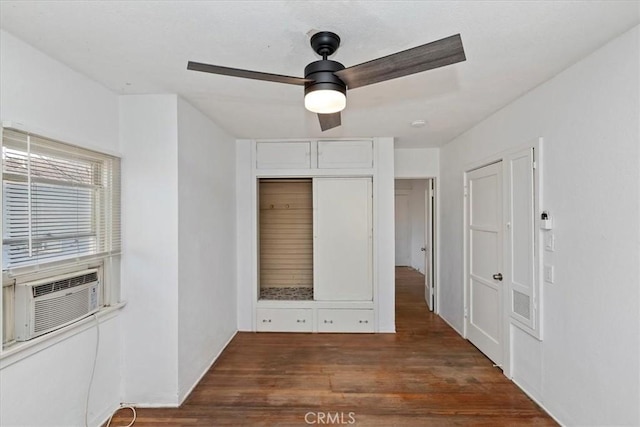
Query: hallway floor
x=424, y=375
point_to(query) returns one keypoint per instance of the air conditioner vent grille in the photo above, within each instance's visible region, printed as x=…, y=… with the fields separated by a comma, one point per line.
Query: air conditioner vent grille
x=53, y=312
x=68, y=283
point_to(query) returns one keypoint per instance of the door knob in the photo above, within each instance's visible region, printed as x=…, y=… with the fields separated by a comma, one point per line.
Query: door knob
x=497, y=276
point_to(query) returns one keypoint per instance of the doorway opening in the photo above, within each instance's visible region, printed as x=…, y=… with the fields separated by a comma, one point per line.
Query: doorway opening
x=415, y=231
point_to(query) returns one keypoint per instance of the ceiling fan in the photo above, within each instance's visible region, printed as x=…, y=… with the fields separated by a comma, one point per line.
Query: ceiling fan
x=326, y=82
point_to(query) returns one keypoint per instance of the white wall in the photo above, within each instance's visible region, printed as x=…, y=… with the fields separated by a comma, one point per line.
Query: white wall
x=179, y=242
x=44, y=94
x=206, y=243
x=383, y=214
x=586, y=371
x=245, y=216
x=416, y=162
x=149, y=135
x=415, y=189
x=49, y=387
x=417, y=214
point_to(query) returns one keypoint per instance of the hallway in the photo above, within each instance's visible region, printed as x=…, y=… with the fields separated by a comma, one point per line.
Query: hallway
x=424, y=375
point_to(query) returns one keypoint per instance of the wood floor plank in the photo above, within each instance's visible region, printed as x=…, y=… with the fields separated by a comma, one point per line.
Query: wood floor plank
x=424, y=375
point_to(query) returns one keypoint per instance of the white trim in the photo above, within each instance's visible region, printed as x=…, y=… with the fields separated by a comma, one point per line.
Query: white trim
x=151, y=405
x=436, y=236
x=505, y=364
x=537, y=401
x=57, y=137
x=451, y=326
x=207, y=369
x=538, y=201
x=104, y=415
x=311, y=172
x=19, y=351
x=502, y=156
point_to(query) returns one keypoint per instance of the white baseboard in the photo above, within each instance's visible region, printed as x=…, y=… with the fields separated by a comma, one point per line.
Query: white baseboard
x=450, y=325
x=207, y=368
x=538, y=401
x=104, y=415
x=177, y=405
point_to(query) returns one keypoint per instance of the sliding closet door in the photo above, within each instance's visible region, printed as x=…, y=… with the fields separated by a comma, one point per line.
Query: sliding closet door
x=343, y=239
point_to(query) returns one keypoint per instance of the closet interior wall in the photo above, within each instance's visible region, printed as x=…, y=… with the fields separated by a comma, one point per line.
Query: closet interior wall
x=286, y=239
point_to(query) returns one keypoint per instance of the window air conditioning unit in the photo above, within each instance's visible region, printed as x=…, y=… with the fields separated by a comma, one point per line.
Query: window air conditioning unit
x=45, y=305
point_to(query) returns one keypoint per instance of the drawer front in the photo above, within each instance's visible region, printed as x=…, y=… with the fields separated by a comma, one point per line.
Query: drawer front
x=284, y=320
x=345, y=154
x=283, y=155
x=345, y=320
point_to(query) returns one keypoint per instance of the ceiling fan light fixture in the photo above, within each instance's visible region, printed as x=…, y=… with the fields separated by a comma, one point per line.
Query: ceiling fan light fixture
x=324, y=92
x=325, y=101
x=326, y=81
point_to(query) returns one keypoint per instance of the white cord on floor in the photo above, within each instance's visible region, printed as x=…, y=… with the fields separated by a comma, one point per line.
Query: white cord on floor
x=93, y=371
x=122, y=407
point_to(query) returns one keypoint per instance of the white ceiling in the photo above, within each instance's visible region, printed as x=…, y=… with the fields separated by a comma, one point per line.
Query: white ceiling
x=134, y=47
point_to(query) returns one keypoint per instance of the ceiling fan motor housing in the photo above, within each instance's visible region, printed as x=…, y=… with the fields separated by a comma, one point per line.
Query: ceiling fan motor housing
x=322, y=74
x=325, y=43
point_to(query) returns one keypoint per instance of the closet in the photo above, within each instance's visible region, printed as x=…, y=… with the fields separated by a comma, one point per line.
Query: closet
x=314, y=236
x=286, y=239
x=337, y=240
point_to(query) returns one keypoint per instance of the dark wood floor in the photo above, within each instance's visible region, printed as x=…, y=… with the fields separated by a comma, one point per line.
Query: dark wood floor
x=424, y=375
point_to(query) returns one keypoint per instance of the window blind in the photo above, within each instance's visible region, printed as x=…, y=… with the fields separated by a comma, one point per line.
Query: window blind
x=59, y=201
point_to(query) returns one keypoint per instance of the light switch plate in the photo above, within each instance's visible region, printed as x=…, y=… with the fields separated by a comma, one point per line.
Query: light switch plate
x=548, y=273
x=549, y=242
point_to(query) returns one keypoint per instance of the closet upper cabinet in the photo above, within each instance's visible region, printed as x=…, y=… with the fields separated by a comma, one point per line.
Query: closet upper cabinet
x=345, y=154
x=283, y=155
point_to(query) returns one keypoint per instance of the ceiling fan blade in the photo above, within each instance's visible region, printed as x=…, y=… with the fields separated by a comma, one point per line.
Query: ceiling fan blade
x=329, y=121
x=247, y=74
x=421, y=58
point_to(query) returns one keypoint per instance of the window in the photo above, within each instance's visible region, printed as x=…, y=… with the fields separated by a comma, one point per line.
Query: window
x=60, y=208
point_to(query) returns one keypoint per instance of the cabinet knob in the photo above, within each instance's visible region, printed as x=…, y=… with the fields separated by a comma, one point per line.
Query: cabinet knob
x=328, y=321
x=363, y=321
x=266, y=320
x=301, y=321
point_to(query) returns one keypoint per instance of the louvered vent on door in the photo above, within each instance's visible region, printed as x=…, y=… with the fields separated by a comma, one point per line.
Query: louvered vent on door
x=522, y=304
x=286, y=233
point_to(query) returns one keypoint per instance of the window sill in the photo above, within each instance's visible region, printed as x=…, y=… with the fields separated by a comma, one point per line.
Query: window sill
x=22, y=350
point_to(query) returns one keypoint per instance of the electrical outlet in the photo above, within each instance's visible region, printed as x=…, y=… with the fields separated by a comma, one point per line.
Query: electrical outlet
x=548, y=273
x=549, y=242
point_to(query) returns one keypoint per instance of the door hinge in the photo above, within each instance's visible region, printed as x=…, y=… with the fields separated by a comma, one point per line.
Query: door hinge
x=534, y=165
x=466, y=312
x=466, y=191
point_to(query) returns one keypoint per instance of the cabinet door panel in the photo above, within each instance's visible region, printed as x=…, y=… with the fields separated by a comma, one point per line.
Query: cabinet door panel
x=345, y=154
x=343, y=239
x=283, y=155
x=343, y=320
x=284, y=320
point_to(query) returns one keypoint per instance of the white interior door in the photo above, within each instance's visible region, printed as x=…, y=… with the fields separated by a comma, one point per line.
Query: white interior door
x=403, y=230
x=484, y=260
x=343, y=255
x=429, y=293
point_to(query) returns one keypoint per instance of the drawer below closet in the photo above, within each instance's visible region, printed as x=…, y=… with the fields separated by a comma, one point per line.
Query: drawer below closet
x=345, y=320
x=284, y=320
